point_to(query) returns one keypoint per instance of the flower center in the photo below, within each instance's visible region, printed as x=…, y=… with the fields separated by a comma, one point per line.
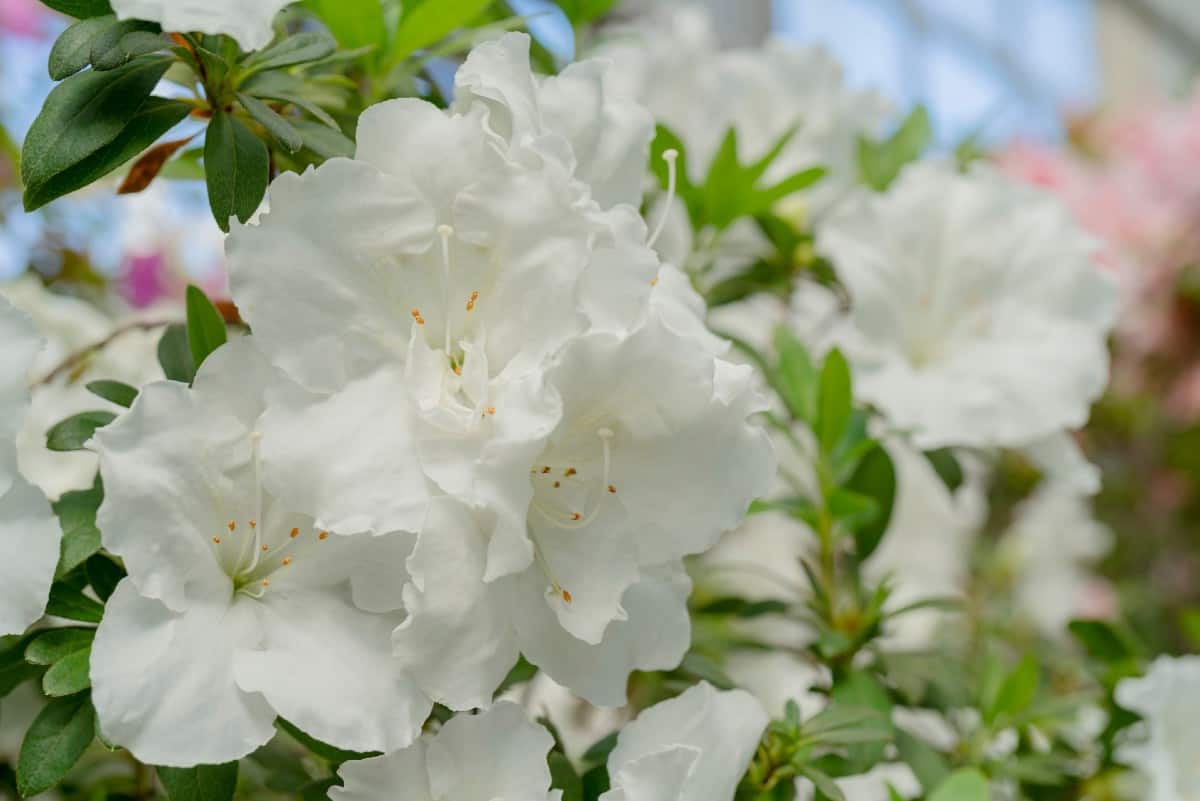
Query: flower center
x=564, y=489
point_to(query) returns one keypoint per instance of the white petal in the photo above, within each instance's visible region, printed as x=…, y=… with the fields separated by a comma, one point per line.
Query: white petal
x=236, y=377
x=158, y=512
x=162, y=681
x=348, y=459
x=29, y=542
x=497, y=754
x=724, y=727
x=327, y=667
x=658, y=776
x=457, y=640
x=400, y=775
x=655, y=637
x=248, y=23
x=317, y=276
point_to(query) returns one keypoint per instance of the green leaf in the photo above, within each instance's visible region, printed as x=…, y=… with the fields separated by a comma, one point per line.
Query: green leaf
x=71, y=434
x=962, y=785
x=205, y=326
x=296, y=49
x=1016, y=692
x=1104, y=641
x=107, y=51
x=104, y=575
x=853, y=510
x=520, y=673
x=598, y=752
x=201, y=783
x=946, y=465
x=236, y=167
x=175, y=354
x=68, y=675
x=427, y=23
x=824, y=784
x=151, y=121
x=52, y=645
x=76, y=512
x=835, y=402
x=281, y=130
x=80, y=9
x=880, y=162
x=72, y=604
x=323, y=140
x=354, y=23
x=72, y=51
x=765, y=199
x=583, y=12
x=796, y=377
x=80, y=117
x=54, y=742
x=563, y=776
x=114, y=392
x=329, y=753
x=858, y=688
x=702, y=667
x=927, y=765
x=874, y=478
x=743, y=608
x=14, y=669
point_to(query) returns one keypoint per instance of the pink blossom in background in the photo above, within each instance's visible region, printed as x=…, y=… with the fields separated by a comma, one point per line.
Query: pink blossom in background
x=145, y=280
x=23, y=17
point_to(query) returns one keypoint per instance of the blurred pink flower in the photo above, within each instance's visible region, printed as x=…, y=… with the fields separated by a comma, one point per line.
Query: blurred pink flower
x=23, y=17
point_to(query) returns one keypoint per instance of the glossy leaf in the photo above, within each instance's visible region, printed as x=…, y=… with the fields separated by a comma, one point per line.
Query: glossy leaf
x=205, y=326
x=54, y=742
x=74, y=432
x=236, y=168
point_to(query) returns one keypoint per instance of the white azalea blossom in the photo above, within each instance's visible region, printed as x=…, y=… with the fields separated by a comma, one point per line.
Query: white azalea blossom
x=29, y=532
x=694, y=747
x=249, y=24
x=236, y=608
x=1168, y=699
x=498, y=754
x=978, y=317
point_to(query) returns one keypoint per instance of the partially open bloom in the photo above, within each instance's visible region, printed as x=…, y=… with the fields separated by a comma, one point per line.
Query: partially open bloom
x=695, y=747
x=236, y=608
x=1168, y=699
x=977, y=317
x=496, y=754
x=29, y=532
x=249, y=24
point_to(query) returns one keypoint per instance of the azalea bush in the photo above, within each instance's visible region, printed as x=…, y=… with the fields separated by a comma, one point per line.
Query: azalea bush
x=650, y=423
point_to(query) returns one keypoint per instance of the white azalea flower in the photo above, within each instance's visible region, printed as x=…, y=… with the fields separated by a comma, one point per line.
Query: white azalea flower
x=400, y=283
x=249, y=24
x=497, y=754
x=1049, y=549
x=574, y=117
x=29, y=532
x=236, y=609
x=978, y=317
x=694, y=747
x=625, y=487
x=1168, y=699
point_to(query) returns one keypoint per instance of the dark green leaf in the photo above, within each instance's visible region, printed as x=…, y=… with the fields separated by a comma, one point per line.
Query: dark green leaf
x=945, y=463
x=563, y=776
x=236, y=167
x=80, y=9
x=323, y=140
x=296, y=49
x=104, y=575
x=114, y=392
x=201, y=783
x=835, y=402
x=280, y=129
x=55, y=741
x=205, y=326
x=327, y=752
x=80, y=117
x=875, y=478
x=51, y=645
x=1104, y=641
x=598, y=752
x=175, y=354
x=426, y=23
x=71, y=434
x=14, y=669
x=76, y=512
x=72, y=604
x=68, y=675
x=583, y=12
x=521, y=673
x=107, y=51
x=152, y=120
x=72, y=51
x=741, y=607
